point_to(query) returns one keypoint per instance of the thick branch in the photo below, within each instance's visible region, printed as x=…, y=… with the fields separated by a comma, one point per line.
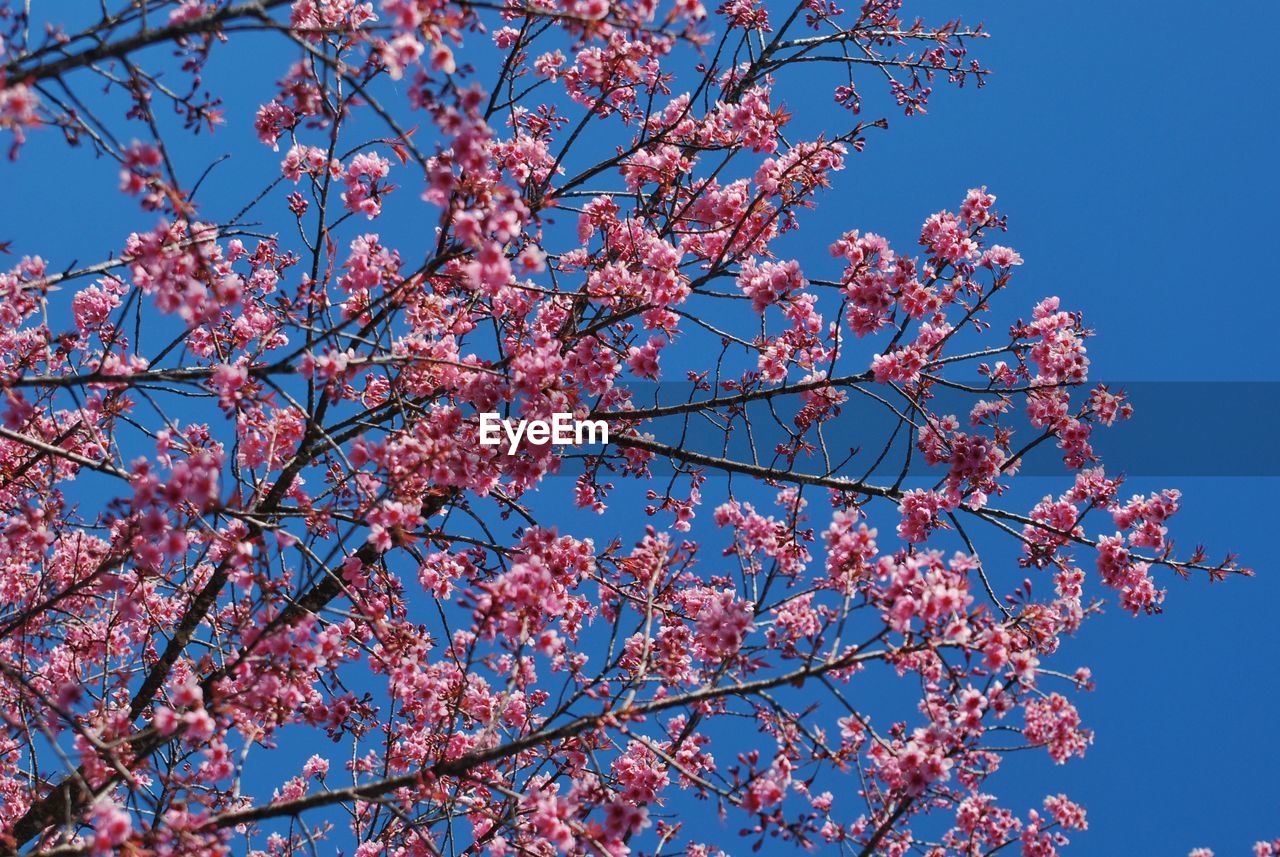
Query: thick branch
x=111, y=50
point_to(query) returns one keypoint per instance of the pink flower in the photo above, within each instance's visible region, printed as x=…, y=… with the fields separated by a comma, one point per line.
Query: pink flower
x=976, y=208
x=199, y=725
x=442, y=59
x=997, y=256
x=723, y=623
x=187, y=694
x=643, y=359
x=311, y=160
x=69, y=693
x=1054, y=723
x=946, y=238
x=920, y=510
x=111, y=827
x=272, y=121
x=229, y=383
x=188, y=11
x=400, y=53
x=316, y=767
x=165, y=720
x=768, y=282
x=363, y=193
x=624, y=819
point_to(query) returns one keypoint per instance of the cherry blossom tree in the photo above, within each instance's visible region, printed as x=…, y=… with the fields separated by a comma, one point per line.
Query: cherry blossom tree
x=262, y=589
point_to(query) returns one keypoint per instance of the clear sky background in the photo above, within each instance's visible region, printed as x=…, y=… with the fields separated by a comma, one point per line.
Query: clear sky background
x=1131, y=145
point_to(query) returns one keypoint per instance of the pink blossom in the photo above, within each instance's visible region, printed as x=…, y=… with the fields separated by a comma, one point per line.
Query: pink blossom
x=111, y=827
x=363, y=193
x=643, y=360
x=400, y=53
x=723, y=622
x=229, y=383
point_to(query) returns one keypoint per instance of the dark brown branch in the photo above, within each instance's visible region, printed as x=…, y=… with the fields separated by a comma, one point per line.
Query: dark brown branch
x=146, y=38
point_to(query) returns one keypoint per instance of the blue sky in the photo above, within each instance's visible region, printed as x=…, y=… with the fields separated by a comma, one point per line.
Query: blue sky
x=1130, y=144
